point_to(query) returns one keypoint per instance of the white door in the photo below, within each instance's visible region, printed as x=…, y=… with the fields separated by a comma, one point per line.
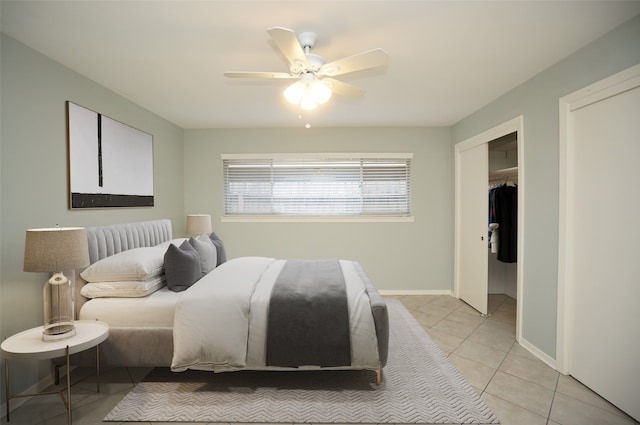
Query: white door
x=603, y=245
x=472, y=205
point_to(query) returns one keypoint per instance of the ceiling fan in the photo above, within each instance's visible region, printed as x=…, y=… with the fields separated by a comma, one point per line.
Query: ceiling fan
x=315, y=83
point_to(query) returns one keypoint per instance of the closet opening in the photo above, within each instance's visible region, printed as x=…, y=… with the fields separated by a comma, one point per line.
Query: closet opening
x=495, y=156
x=503, y=222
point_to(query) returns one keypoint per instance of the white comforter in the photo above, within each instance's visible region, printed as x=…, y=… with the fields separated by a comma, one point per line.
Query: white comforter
x=221, y=322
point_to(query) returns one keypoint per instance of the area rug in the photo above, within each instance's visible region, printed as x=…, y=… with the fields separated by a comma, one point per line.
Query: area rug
x=419, y=386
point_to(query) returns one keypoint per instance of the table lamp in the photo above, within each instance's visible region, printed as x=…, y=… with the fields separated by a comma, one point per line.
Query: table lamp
x=54, y=250
x=198, y=224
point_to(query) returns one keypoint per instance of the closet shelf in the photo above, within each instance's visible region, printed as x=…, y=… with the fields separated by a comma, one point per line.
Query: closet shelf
x=513, y=171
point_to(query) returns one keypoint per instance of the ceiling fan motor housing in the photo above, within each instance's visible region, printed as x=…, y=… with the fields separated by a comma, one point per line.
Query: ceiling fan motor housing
x=307, y=39
x=316, y=61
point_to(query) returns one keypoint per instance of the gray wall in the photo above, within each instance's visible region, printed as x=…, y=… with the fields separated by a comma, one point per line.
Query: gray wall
x=397, y=256
x=537, y=101
x=34, y=176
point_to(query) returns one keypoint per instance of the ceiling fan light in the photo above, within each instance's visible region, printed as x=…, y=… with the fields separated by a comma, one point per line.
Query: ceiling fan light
x=308, y=92
x=321, y=92
x=308, y=103
x=294, y=93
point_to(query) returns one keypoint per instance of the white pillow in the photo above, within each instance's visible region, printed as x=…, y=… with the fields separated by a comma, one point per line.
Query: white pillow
x=207, y=251
x=133, y=264
x=124, y=289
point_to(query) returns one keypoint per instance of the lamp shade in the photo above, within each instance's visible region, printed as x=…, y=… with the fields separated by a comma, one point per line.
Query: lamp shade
x=56, y=249
x=198, y=224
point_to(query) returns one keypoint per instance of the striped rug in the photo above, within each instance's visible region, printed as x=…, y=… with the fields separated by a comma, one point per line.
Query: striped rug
x=419, y=386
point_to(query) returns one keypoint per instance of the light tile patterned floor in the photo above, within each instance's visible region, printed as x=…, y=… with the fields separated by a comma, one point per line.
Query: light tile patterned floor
x=519, y=388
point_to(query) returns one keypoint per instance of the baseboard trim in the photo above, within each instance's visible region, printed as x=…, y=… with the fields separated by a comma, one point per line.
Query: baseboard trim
x=392, y=292
x=550, y=361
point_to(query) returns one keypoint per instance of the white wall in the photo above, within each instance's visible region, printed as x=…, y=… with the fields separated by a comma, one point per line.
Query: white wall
x=414, y=256
x=503, y=278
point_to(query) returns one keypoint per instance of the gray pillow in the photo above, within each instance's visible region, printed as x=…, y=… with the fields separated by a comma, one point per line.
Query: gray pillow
x=207, y=251
x=220, y=251
x=181, y=266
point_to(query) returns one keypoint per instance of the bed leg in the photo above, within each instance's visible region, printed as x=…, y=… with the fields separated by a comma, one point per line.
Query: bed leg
x=378, y=376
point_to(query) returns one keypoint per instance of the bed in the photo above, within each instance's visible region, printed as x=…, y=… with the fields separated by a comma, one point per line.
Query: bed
x=230, y=318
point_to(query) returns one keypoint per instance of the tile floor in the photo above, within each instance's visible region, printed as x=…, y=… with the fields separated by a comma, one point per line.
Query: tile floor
x=519, y=388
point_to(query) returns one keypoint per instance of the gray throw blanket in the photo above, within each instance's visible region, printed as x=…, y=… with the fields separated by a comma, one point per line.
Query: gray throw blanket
x=309, y=316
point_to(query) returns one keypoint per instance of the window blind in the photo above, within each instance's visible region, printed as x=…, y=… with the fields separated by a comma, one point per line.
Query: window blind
x=340, y=185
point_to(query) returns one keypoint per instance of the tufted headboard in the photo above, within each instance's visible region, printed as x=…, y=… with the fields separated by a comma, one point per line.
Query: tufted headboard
x=107, y=240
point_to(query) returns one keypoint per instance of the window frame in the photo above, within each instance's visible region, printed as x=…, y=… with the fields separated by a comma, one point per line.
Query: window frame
x=320, y=218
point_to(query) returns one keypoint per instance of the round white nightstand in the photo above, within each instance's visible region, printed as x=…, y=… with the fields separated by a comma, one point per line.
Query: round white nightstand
x=28, y=345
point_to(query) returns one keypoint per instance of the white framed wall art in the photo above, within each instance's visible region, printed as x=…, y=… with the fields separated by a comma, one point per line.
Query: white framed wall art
x=110, y=163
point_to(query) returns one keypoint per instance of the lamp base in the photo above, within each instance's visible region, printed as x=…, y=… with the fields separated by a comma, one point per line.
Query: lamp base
x=58, y=308
x=58, y=331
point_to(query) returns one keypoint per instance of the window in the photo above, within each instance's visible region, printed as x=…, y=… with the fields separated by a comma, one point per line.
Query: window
x=317, y=185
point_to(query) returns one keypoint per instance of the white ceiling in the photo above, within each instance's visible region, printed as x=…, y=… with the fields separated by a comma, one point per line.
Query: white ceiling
x=447, y=58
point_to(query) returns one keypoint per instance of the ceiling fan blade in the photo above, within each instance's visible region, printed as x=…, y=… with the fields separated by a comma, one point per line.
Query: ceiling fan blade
x=288, y=43
x=343, y=89
x=241, y=74
x=369, y=59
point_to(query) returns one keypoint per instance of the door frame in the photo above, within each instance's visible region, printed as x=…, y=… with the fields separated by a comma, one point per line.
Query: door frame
x=514, y=125
x=610, y=86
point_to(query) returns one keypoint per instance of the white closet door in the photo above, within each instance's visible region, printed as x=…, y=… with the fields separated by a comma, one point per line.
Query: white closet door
x=472, y=207
x=603, y=255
